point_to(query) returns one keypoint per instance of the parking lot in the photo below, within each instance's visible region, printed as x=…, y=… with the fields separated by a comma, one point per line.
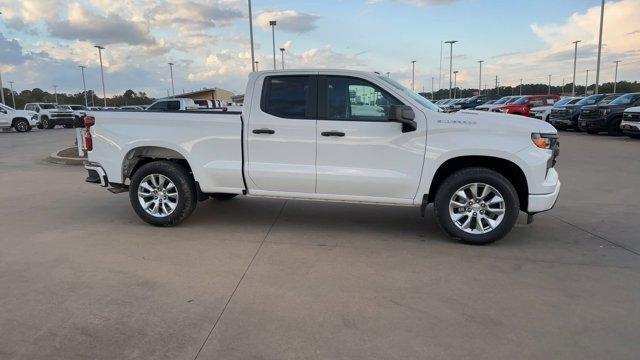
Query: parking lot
x=82, y=277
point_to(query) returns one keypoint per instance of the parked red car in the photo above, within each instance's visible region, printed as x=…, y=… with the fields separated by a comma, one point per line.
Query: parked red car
x=526, y=102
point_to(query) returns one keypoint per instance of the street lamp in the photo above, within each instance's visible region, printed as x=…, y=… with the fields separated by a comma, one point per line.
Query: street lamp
x=480, y=78
x=575, y=61
x=432, y=90
x=104, y=92
x=599, y=46
x=440, y=76
x=1, y=88
x=388, y=74
x=13, y=98
x=253, y=58
x=520, y=86
x=272, y=23
x=282, y=53
x=173, y=89
x=586, y=84
x=549, y=92
x=455, y=84
x=84, y=86
x=55, y=92
x=256, y=63
x=450, y=42
x=413, y=75
x=615, y=81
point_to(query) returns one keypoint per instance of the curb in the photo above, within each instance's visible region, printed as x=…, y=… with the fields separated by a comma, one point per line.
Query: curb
x=64, y=160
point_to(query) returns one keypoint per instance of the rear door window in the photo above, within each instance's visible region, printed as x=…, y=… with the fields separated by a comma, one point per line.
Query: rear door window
x=159, y=106
x=292, y=97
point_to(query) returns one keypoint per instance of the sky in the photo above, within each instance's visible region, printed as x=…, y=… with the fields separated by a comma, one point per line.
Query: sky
x=43, y=42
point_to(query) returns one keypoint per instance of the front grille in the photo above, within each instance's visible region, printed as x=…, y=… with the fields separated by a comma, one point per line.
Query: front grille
x=632, y=117
x=590, y=114
x=61, y=116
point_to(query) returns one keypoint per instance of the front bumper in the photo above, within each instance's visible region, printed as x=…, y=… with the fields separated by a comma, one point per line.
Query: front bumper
x=97, y=175
x=63, y=120
x=599, y=124
x=632, y=128
x=543, y=202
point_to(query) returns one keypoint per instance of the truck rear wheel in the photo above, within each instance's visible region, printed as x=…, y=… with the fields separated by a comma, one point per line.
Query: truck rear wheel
x=476, y=206
x=21, y=125
x=162, y=193
x=46, y=123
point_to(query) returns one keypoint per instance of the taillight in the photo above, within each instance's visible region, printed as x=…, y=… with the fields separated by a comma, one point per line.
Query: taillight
x=89, y=121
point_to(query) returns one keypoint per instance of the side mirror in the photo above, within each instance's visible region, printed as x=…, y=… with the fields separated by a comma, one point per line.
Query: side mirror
x=404, y=115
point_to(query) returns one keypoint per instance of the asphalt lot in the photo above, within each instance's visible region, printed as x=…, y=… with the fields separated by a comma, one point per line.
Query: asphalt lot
x=81, y=277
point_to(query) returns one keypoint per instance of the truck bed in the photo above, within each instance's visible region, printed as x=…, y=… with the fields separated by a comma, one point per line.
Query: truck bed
x=212, y=141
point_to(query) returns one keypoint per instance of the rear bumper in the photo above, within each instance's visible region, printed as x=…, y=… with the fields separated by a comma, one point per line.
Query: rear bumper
x=97, y=175
x=543, y=202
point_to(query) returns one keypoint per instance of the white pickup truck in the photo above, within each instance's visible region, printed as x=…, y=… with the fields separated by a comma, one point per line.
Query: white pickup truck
x=331, y=135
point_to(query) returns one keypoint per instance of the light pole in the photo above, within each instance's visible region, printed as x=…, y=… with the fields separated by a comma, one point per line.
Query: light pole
x=586, y=84
x=413, y=75
x=480, y=78
x=432, y=92
x=599, y=46
x=450, y=42
x=549, y=92
x=615, y=81
x=497, y=88
x=173, y=89
x=273, y=23
x=455, y=84
x=440, y=77
x=520, y=86
x=257, y=62
x=282, y=53
x=575, y=61
x=253, y=58
x=13, y=98
x=388, y=74
x=55, y=92
x=84, y=86
x=1, y=87
x=104, y=91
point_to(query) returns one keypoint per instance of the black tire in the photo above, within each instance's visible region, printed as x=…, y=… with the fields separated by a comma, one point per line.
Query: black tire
x=187, y=197
x=223, y=197
x=39, y=126
x=21, y=125
x=467, y=176
x=613, y=128
x=46, y=123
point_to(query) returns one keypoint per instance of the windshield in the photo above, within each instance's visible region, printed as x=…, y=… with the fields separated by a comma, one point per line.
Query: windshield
x=521, y=101
x=626, y=99
x=64, y=107
x=608, y=99
x=590, y=100
x=502, y=100
x=561, y=102
x=77, y=107
x=5, y=107
x=424, y=102
x=574, y=101
x=47, y=106
x=512, y=100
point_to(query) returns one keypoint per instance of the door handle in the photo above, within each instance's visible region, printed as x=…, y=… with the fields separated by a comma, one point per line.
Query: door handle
x=264, y=131
x=332, y=133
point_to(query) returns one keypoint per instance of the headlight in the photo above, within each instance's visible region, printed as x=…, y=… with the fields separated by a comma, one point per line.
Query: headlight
x=544, y=141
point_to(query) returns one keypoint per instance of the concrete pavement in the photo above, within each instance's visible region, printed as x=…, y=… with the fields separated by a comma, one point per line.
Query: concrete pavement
x=82, y=277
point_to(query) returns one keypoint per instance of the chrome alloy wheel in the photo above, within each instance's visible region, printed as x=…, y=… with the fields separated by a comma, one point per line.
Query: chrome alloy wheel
x=477, y=208
x=158, y=195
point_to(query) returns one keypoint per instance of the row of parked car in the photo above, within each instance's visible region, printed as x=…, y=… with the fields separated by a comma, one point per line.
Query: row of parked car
x=615, y=114
x=50, y=115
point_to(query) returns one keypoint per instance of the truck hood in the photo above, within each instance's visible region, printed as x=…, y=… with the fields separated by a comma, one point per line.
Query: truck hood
x=498, y=121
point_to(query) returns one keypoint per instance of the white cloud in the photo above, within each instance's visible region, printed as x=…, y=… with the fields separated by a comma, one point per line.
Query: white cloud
x=288, y=20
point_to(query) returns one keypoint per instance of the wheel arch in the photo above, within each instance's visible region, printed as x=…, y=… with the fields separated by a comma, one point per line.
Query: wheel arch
x=505, y=167
x=13, y=122
x=138, y=156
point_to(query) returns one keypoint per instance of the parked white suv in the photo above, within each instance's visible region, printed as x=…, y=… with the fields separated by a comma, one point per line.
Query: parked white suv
x=331, y=135
x=630, y=124
x=50, y=115
x=20, y=120
x=173, y=104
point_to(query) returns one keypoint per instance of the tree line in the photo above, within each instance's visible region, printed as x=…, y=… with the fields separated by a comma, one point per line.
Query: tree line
x=129, y=97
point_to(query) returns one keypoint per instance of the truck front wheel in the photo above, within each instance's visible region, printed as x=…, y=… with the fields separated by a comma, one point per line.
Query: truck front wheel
x=162, y=193
x=476, y=206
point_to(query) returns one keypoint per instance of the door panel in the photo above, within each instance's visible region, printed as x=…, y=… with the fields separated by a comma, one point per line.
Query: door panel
x=282, y=136
x=372, y=159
